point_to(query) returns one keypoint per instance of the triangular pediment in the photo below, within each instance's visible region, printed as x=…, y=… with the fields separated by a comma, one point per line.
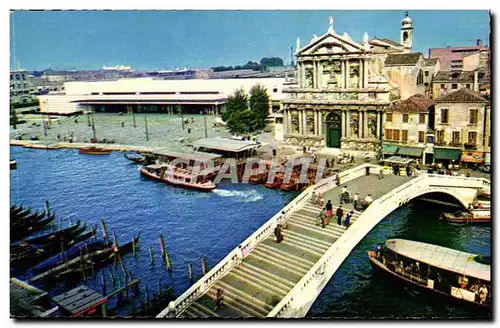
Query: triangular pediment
x=331, y=44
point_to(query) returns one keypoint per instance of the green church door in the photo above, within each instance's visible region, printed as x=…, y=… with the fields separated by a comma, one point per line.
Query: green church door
x=333, y=133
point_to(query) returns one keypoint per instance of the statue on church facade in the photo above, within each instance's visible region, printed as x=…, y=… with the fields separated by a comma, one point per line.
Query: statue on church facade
x=294, y=118
x=372, y=125
x=354, y=75
x=354, y=120
x=308, y=79
x=297, y=46
x=310, y=123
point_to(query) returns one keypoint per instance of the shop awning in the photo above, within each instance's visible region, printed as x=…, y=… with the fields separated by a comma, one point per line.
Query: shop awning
x=472, y=157
x=410, y=151
x=389, y=149
x=447, y=153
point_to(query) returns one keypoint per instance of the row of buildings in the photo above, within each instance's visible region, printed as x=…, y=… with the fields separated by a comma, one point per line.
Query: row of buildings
x=375, y=95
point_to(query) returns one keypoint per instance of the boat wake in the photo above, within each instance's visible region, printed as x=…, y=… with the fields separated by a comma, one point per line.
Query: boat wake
x=242, y=196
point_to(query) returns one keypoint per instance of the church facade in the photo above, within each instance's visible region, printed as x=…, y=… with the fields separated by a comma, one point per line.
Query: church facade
x=341, y=91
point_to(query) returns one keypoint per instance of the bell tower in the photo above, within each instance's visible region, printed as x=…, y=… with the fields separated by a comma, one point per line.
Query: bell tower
x=407, y=33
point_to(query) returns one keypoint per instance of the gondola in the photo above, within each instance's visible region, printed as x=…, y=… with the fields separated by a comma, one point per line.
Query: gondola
x=75, y=251
x=53, y=244
x=135, y=158
x=19, y=233
x=13, y=164
x=14, y=209
x=43, y=239
x=21, y=214
x=32, y=255
x=27, y=220
x=92, y=261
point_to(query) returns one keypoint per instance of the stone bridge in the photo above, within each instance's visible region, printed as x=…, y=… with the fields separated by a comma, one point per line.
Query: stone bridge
x=283, y=280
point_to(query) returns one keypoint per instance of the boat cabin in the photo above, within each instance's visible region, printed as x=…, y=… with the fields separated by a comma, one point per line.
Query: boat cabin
x=448, y=271
x=194, y=158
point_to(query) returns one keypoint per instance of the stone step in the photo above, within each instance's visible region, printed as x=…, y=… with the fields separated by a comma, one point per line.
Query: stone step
x=204, y=309
x=275, y=260
x=305, y=243
x=208, y=301
x=332, y=225
x=188, y=313
x=300, y=234
x=234, y=304
x=277, y=251
x=197, y=312
x=327, y=233
x=299, y=245
x=317, y=209
x=286, y=257
x=258, y=283
x=249, y=300
x=265, y=279
x=274, y=268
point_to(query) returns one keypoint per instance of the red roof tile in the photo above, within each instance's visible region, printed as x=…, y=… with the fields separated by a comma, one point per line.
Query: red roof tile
x=415, y=104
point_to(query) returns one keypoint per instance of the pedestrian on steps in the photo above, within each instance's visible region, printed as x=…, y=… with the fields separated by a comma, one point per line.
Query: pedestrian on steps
x=282, y=220
x=348, y=217
x=322, y=217
x=329, y=209
x=356, y=200
x=340, y=214
x=278, y=234
x=219, y=300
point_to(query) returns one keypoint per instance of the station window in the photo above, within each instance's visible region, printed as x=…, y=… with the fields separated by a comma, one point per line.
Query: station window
x=454, y=86
x=388, y=117
x=405, y=118
x=404, y=135
x=421, y=118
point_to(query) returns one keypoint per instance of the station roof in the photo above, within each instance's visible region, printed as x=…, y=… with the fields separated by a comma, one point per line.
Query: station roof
x=441, y=257
x=225, y=144
x=201, y=156
x=160, y=98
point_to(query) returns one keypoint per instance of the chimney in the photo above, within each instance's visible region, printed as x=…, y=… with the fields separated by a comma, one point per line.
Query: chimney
x=476, y=84
x=479, y=42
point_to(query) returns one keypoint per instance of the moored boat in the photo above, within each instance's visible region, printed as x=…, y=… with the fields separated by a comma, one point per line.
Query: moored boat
x=135, y=158
x=13, y=164
x=447, y=272
x=471, y=216
x=92, y=150
x=177, y=177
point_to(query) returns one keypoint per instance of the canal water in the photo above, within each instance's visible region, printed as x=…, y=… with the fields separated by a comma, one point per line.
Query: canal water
x=197, y=225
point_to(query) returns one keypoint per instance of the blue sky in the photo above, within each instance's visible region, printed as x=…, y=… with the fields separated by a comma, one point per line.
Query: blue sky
x=170, y=39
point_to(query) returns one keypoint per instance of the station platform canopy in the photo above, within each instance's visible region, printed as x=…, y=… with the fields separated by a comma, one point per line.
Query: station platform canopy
x=226, y=144
x=191, y=156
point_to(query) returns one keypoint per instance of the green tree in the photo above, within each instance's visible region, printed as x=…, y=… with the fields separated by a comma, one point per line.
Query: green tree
x=271, y=61
x=259, y=104
x=14, y=120
x=237, y=114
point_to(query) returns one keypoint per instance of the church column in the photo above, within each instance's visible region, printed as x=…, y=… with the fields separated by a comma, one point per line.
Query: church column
x=365, y=73
x=320, y=123
x=348, y=124
x=342, y=82
x=342, y=134
x=300, y=120
x=288, y=119
x=365, y=124
x=315, y=74
x=320, y=74
x=315, y=112
x=347, y=74
x=360, y=125
x=379, y=122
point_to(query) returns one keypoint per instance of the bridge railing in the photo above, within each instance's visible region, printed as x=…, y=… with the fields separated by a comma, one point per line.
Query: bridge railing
x=233, y=258
x=341, y=248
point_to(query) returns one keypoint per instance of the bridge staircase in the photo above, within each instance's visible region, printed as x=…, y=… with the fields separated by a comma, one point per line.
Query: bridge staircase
x=271, y=270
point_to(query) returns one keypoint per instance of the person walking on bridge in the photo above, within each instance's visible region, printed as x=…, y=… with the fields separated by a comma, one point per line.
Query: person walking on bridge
x=329, y=209
x=219, y=300
x=340, y=214
x=348, y=217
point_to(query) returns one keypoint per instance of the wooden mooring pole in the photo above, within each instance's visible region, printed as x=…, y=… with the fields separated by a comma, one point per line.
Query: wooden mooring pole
x=47, y=208
x=190, y=268
x=104, y=231
x=146, y=122
x=204, y=265
x=133, y=246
